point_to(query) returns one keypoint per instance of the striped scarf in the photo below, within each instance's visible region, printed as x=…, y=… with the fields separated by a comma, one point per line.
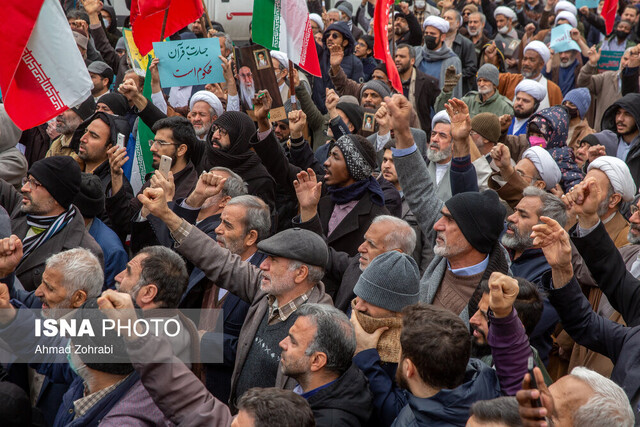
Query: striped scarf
x=50, y=226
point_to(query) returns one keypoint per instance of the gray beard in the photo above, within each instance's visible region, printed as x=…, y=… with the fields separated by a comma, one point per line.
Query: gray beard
x=473, y=33
x=632, y=238
x=566, y=64
x=438, y=156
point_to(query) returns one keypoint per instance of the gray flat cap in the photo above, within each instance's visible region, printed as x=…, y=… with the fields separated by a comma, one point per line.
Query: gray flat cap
x=297, y=244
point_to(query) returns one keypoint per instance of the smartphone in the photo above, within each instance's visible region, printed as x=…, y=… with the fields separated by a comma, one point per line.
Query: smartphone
x=537, y=403
x=165, y=166
x=120, y=140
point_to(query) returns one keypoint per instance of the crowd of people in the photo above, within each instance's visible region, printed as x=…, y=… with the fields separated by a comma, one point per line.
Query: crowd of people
x=463, y=252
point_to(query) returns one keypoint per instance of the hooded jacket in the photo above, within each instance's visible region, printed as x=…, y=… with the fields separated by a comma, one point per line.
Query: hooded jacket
x=113, y=33
x=351, y=64
x=435, y=63
x=451, y=407
x=630, y=103
x=346, y=402
x=557, y=132
x=13, y=165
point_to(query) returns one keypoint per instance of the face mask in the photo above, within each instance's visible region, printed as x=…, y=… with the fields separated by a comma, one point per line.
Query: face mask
x=430, y=42
x=538, y=140
x=107, y=22
x=573, y=112
x=503, y=30
x=420, y=4
x=622, y=34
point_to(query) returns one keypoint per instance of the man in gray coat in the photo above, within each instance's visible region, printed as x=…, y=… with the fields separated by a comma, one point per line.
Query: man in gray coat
x=467, y=225
x=289, y=276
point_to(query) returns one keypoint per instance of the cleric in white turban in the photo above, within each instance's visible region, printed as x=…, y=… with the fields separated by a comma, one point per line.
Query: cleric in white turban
x=507, y=12
x=209, y=98
x=566, y=6
x=545, y=165
x=537, y=90
x=436, y=22
x=540, y=48
x=567, y=16
x=618, y=173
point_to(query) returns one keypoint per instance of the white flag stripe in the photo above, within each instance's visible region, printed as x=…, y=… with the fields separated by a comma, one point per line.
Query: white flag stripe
x=53, y=46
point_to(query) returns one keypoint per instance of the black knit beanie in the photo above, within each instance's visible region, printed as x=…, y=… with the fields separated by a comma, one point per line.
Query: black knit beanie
x=86, y=108
x=480, y=217
x=360, y=164
x=116, y=102
x=240, y=128
x=90, y=199
x=353, y=112
x=60, y=175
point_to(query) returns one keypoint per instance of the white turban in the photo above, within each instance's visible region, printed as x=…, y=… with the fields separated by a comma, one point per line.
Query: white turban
x=566, y=6
x=540, y=48
x=545, y=165
x=568, y=16
x=436, y=22
x=281, y=57
x=317, y=19
x=533, y=88
x=618, y=173
x=506, y=11
x=440, y=117
x=209, y=98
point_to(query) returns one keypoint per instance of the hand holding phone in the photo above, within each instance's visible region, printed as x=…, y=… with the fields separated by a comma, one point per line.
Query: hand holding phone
x=165, y=166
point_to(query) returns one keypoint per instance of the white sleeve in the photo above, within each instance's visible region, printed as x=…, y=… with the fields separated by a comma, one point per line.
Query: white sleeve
x=158, y=100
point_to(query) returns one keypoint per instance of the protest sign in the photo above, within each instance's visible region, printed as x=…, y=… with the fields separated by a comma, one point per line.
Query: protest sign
x=591, y=4
x=138, y=62
x=561, y=40
x=189, y=62
x=609, y=60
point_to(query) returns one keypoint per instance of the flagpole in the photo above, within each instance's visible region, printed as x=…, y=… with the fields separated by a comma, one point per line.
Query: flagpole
x=206, y=13
x=392, y=43
x=292, y=90
x=164, y=23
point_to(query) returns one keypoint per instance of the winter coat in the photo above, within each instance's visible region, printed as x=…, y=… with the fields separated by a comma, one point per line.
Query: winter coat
x=451, y=407
x=496, y=104
x=435, y=63
x=346, y=402
x=605, y=89
x=630, y=103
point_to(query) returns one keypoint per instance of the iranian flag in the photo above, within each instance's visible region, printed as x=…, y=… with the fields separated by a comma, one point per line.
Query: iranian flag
x=139, y=152
x=283, y=25
x=42, y=72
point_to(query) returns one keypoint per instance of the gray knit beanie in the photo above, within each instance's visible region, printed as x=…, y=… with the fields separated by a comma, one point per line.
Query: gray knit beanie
x=391, y=281
x=489, y=72
x=377, y=86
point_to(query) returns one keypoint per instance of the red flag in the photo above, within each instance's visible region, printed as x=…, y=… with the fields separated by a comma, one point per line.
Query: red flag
x=147, y=17
x=34, y=36
x=381, y=42
x=609, y=13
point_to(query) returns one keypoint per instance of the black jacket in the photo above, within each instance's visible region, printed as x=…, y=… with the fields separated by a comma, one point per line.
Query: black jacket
x=427, y=90
x=346, y=402
x=630, y=103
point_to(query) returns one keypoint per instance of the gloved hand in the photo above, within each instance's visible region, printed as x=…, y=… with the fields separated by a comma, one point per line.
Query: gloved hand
x=450, y=79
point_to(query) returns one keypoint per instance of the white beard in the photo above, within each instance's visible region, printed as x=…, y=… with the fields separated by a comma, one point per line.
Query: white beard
x=248, y=93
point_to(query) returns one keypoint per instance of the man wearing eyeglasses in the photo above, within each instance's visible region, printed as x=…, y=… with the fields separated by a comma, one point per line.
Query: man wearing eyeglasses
x=174, y=138
x=43, y=216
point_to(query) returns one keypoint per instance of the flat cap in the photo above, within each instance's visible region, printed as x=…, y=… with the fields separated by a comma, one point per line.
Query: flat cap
x=297, y=244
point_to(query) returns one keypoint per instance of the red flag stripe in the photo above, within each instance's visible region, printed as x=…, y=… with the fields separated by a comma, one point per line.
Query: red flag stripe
x=609, y=10
x=381, y=42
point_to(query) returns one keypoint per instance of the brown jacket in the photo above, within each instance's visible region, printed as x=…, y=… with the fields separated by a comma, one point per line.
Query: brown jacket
x=242, y=279
x=579, y=132
x=604, y=89
x=617, y=229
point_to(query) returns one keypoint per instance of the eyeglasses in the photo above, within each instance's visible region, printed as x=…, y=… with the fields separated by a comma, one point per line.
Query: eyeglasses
x=220, y=130
x=472, y=133
x=532, y=178
x=335, y=35
x=161, y=143
x=246, y=75
x=33, y=184
x=633, y=209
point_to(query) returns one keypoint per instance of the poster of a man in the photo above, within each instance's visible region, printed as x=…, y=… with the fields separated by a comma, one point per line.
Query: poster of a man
x=261, y=59
x=369, y=122
x=253, y=78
